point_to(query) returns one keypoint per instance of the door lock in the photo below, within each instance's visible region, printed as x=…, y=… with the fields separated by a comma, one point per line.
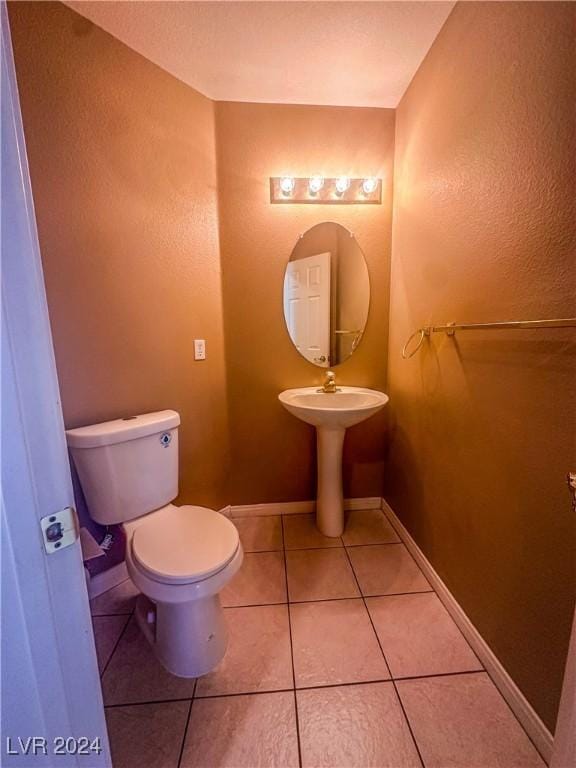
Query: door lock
x=54, y=532
x=59, y=530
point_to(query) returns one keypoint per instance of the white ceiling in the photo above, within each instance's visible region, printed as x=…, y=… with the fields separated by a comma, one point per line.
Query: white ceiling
x=360, y=54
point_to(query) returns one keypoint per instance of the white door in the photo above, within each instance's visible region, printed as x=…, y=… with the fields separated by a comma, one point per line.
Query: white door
x=52, y=711
x=564, y=750
x=307, y=306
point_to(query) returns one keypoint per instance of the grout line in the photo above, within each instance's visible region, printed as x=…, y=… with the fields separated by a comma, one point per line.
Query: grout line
x=374, y=544
x=484, y=668
x=116, y=644
x=345, y=685
x=386, y=662
x=294, y=690
x=309, y=513
x=360, y=596
x=401, y=678
x=341, y=546
x=333, y=546
x=108, y=615
x=330, y=599
x=261, y=551
x=326, y=548
x=253, y=605
x=410, y=555
x=441, y=603
x=390, y=680
x=447, y=612
x=291, y=652
x=186, y=728
x=408, y=723
x=144, y=703
x=312, y=511
x=243, y=693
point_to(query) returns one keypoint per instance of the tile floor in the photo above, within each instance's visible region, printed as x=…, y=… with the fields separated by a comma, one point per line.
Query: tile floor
x=340, y=655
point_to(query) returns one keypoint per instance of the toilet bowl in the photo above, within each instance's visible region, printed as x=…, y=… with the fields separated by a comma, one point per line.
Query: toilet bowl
x=179, y=557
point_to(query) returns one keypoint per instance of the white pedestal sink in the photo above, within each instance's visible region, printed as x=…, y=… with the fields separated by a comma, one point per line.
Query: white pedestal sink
x=331, y=413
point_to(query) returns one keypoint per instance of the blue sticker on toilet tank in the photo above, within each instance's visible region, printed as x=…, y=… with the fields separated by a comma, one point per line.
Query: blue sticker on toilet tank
x=166, y=439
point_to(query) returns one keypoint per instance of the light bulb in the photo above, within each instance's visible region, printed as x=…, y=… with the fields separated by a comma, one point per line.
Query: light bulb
x=287, y=184
x=342, y=184
x=370, y=185
x=315, y=184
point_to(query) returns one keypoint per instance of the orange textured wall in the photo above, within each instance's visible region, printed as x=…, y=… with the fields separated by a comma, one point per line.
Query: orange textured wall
x=123, y=166
x=124, y=172
x=273, y=454
x=484, y=425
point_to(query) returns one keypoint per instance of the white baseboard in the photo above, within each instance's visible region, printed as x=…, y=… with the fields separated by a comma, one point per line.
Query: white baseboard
x=106, y=580
x=264, y=510
x=296, y=507
x=369, y=502
x=516, y=700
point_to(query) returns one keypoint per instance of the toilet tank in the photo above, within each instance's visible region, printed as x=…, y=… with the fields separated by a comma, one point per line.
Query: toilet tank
x=127, y=467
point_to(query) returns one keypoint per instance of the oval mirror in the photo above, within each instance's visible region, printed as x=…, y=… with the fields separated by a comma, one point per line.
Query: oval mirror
x=326, y=294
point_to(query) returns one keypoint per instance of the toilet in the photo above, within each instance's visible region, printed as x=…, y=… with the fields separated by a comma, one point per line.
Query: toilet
x=178, y=557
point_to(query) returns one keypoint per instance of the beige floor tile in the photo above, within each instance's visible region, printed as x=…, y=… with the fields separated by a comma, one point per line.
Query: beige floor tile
x=260, y=534
x=300, y=532
x=257, y=731
x=355, y=726
x=119, y=599
x=462, y=721
x=147, y=735
x=368, y=526
x=258, y=656
x=107, y=630
x=134, y=674
x=261, y=580
x=386, y=569
x=317, y=574
x=419, y=637
x=334, y=642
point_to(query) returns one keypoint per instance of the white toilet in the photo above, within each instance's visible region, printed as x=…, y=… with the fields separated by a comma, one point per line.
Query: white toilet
x=178, y=557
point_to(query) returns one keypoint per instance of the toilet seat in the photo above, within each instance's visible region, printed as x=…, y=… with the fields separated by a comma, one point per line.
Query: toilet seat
x=183, y=545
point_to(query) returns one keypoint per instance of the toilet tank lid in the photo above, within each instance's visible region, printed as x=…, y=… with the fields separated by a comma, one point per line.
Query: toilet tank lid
x=122, y=430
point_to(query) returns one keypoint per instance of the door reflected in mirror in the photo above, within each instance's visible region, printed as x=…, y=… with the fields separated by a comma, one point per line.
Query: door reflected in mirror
x=326, y=294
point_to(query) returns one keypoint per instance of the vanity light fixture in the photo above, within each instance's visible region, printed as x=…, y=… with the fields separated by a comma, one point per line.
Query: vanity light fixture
x=369, y=185
x=342, y=185
x=317, y=189
x=287, y=184
x=315, y=184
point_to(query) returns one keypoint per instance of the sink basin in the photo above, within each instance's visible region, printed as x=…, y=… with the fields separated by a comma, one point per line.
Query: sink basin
x=344, y=408
x=331, y=413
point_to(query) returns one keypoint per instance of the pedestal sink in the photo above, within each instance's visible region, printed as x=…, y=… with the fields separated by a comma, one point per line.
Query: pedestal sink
x=331, y=413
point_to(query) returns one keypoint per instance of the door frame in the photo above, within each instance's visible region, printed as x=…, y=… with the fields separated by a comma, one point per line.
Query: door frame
x=564, y=748
x=50, y=679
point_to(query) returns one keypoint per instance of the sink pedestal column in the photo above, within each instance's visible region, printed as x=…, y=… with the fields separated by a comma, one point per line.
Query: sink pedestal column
x=330, y=501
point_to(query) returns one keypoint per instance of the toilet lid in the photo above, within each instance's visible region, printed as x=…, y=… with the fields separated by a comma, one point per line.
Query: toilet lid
x=184, y=544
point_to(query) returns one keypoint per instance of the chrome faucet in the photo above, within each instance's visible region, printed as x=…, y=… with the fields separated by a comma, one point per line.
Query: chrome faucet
x=329, y=385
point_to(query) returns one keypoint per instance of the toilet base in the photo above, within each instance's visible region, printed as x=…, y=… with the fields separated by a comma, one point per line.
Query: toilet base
x=189, y=639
